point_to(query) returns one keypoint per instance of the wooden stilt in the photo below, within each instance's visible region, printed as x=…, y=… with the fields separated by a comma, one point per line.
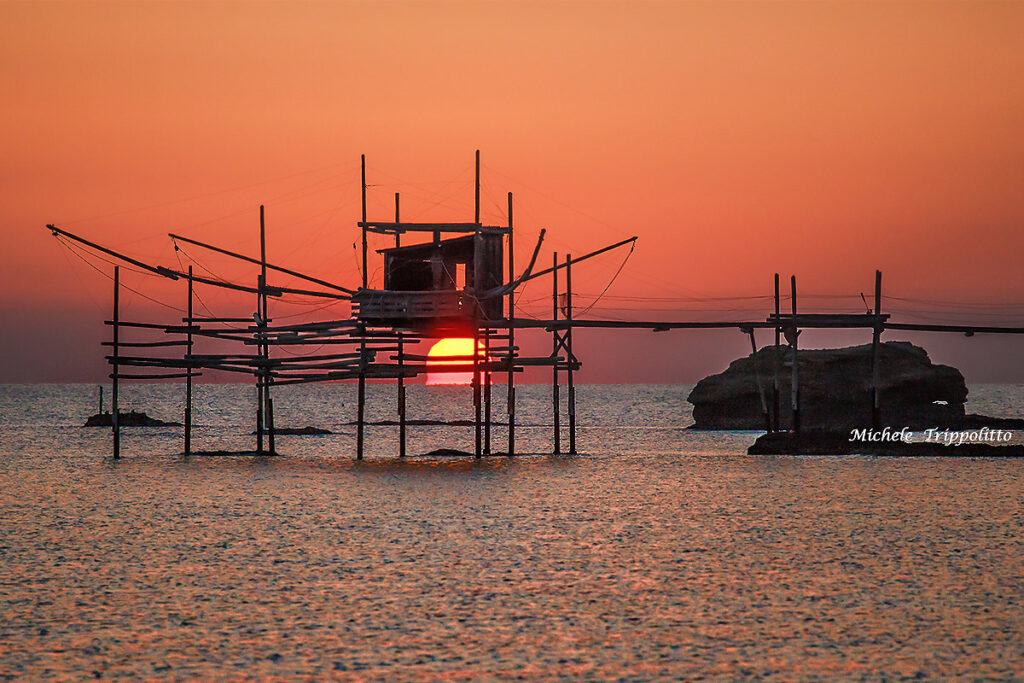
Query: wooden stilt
x=876, y=335
x=476, y=388
x=557, y=447
x=487, y=392
x=569, y=354
x=795, y=388
x=479, y=286
x=360, y=410
x=268, y=404
x=361, y=390
x=100, y=411
x=259, y=377
x=757, y=379
x=115, y=422
x=776, y=391
x=270, y=425
x=188, y=372
x=401, y=356
x=401, y=399
x=510, y=407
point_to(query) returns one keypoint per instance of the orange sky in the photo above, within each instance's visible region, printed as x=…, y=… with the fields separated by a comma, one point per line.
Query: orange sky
x=737, y=139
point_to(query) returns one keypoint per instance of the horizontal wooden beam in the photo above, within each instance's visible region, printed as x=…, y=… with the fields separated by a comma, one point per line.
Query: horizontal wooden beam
x=391, y=228
x=170, y=375
x=965, y=329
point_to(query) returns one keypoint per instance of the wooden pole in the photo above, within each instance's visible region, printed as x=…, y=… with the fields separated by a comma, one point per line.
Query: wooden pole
x=100, y=387
x=511, y=401
x=361, y=396
x=114, y=421
x=361, y=390
x=270, y=424
x=487, y=392
x=554, y=357
x=795, y=388
x=362, y=164
x=776, y=403
x=876, y=413
x=401, y=358
x=569, y=353
x=188, y=372
x=476, y=386
x=259, y=378
x=757, y=379
x=268, y=404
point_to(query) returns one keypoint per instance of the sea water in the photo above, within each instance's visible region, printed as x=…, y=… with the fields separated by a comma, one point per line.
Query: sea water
x=658, y=553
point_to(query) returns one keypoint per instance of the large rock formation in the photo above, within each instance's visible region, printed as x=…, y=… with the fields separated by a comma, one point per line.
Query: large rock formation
x=835, y=390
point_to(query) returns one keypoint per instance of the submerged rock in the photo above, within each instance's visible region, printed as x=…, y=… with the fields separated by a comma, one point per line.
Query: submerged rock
x=835, y=389
x=133, y=418
x=298, y=431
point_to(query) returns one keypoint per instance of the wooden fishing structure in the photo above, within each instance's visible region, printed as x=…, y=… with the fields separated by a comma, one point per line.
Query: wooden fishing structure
x=448, y=279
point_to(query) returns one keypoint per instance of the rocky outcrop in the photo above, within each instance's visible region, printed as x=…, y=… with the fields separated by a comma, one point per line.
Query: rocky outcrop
x=132, y=418
x=835, y=390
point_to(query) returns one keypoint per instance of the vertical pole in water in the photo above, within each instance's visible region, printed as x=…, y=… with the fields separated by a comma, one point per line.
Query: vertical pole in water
x=511, y=401
x=876, y=413
x=487, y=391
x=554, y=356
x=188, y=371
x=260, y=282
x=259, y=372
x=361, y=397
x=401, y=358
x=114, y=421
x=100, y=387
x=757, y=380
x=795, y=389
x=476, y=382
x=571, y=357
x=478, y=285
x=776, y=407
x=268, y=404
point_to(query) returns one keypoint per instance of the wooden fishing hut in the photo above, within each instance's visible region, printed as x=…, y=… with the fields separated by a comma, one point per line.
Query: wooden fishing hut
x=451, y=282
x=447, y=279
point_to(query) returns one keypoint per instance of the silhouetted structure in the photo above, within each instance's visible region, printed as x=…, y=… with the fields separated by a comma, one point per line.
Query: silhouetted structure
x=439, y=287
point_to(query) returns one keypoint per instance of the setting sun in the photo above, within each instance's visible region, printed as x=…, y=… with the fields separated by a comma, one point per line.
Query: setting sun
x=445, y=348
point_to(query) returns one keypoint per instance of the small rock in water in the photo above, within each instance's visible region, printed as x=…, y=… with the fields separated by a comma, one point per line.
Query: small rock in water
x=133, y=418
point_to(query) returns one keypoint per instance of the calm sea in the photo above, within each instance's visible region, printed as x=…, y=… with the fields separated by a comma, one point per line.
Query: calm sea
x=659, y=554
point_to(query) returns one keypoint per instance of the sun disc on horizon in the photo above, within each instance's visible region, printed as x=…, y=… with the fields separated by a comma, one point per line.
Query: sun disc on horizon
x=451, y=346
